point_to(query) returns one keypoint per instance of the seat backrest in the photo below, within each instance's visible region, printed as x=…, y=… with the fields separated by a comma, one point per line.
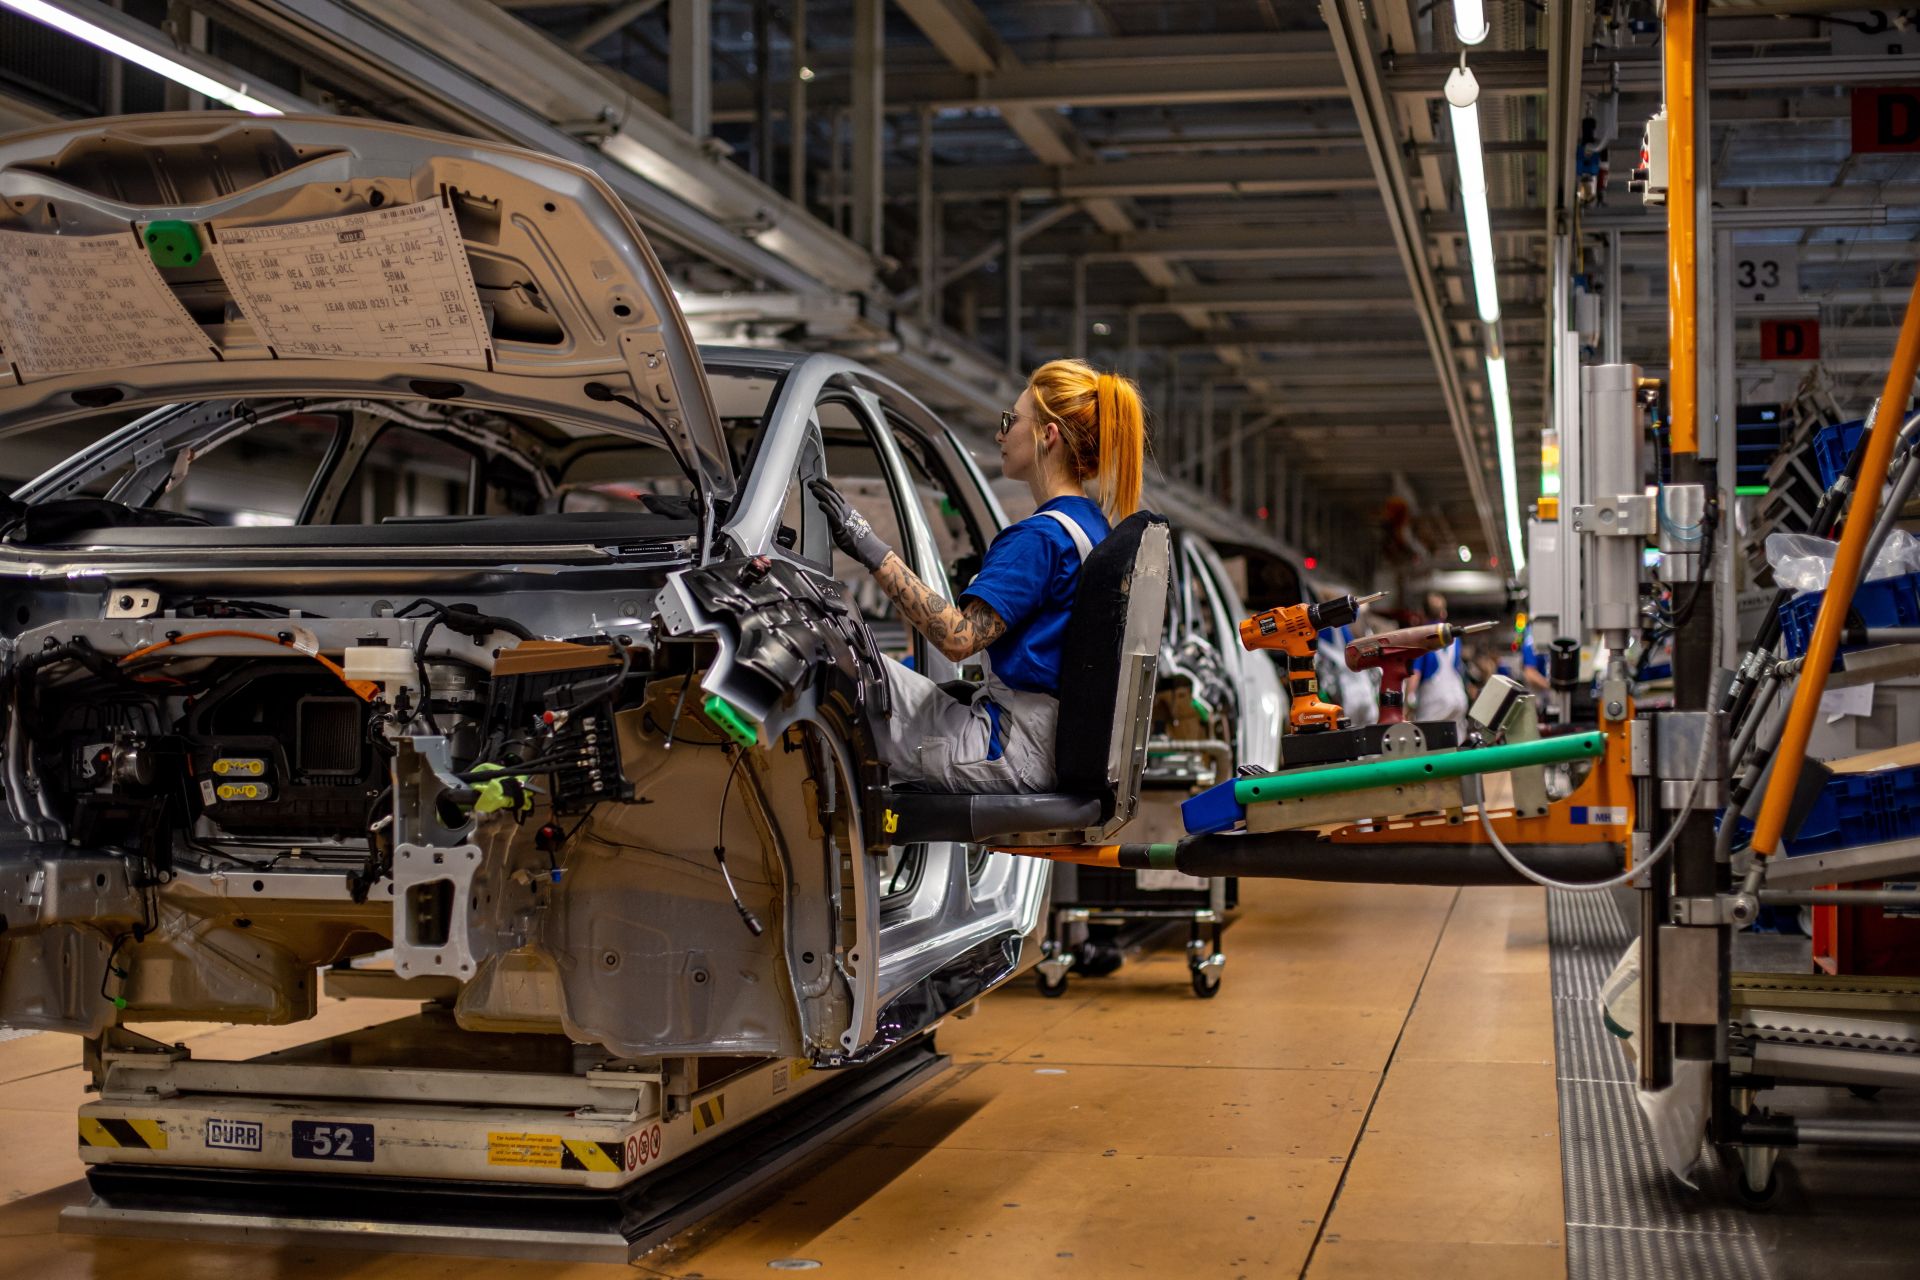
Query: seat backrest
x=1112, y=646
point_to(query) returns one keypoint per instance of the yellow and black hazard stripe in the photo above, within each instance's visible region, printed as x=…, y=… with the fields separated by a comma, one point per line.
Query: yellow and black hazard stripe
x=593, y=1157
x=123, y=1132
x=710, y=1112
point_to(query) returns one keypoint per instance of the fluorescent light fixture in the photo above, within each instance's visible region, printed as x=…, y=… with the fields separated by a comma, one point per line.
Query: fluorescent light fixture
x=1503, y=440
x=101, y=38
x=1463, y=99
x=1470, y=21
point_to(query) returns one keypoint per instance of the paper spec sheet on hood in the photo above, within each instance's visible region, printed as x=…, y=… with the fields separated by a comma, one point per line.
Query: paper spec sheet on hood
x=388, y=284
x=73, y=304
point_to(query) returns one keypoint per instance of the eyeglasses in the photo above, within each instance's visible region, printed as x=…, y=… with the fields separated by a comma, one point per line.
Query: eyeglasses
x=1007, y=418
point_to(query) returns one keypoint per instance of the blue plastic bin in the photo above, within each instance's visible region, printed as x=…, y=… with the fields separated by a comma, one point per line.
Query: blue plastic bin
x=1856, y=809
x=1884, y=602
x=1832, y=446
x=1862, y=808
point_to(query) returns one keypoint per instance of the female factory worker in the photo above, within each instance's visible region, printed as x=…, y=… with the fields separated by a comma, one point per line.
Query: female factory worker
x=1072, y=426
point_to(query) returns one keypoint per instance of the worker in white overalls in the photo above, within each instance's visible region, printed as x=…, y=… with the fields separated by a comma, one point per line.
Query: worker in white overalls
x=1072, y=426
x=1359, y=696
x=1438, y=681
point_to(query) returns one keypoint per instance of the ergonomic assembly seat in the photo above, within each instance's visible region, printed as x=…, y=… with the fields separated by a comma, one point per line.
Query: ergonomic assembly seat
x=1106, y=694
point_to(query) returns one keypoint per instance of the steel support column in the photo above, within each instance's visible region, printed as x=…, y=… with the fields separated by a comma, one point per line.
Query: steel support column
x=1010, y=282
x=1612, y=320
x=869, y=124
x=690, y=65
x=797, y=109
x=1079, y=344
x=1725, y=397
x=763, y=91
x=929, y=215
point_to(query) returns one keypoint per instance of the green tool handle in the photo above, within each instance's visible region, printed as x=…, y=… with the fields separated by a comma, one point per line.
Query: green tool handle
x=1399, y=772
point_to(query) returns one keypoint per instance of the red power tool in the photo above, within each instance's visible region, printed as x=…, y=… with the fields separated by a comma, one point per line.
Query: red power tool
x=1393, y=652
x=1295, y=629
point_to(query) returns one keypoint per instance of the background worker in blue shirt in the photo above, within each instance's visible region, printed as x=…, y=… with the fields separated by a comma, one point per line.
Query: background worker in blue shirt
x=1072, y=426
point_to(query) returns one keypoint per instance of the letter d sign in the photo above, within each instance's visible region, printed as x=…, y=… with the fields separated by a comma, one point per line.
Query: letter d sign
x=1886, y=120
x=1789, y=339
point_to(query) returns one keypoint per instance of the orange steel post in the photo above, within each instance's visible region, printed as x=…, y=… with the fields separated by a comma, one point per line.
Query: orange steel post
x=1841, y=583
x=1683, y=367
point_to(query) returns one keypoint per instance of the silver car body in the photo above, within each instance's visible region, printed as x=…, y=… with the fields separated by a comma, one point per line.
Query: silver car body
x=692, y=690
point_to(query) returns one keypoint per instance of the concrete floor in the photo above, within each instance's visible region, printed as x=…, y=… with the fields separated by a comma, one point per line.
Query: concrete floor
x=1371, y=1094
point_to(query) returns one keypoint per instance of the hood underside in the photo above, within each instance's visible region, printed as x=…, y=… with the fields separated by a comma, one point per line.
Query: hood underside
x=162, y=258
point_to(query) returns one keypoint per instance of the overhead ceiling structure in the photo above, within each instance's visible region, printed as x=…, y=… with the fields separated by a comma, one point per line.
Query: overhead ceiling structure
x=1253, y=207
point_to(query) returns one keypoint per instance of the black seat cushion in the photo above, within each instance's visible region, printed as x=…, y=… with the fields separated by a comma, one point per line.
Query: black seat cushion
x=1090, y=661
x=928, y=815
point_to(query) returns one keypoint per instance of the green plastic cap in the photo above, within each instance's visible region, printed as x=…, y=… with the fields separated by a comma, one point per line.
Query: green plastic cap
x=172, y=243
x=732, y=721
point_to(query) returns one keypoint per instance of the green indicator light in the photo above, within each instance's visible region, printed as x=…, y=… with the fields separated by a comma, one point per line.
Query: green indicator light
x=1751, y=490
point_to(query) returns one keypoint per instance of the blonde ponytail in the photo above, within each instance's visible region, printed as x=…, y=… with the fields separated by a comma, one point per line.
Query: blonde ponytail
x=1103, y=426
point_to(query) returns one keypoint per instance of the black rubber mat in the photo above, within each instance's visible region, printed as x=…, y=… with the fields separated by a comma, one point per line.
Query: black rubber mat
x=1627, y=1217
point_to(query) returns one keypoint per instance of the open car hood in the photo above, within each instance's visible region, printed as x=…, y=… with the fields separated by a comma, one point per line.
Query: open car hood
x=165, y=258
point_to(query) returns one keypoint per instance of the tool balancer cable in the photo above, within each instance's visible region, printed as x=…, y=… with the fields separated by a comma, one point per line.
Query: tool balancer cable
x=1659, y=851
x=1653, y=858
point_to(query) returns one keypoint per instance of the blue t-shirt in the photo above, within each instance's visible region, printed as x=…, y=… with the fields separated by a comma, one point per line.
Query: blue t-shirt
x=1029, y=576
x=1530, y=656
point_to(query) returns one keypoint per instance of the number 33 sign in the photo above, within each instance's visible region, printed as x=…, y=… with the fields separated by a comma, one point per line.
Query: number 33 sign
x=1765, y=274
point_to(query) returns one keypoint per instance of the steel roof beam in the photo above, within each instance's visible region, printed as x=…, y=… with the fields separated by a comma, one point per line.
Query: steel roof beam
x=1183, y=175
x=1314, y=241
x=1145, y=79
x=1526, y=71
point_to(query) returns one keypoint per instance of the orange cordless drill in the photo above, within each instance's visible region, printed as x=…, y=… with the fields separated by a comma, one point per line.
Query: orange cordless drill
x=1394, y=652
x=1295, y=629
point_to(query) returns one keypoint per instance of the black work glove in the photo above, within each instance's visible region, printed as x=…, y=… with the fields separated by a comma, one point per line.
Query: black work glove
x=851, y=532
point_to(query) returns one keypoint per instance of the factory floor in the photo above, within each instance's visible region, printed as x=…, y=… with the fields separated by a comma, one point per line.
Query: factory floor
x=1371, y=1094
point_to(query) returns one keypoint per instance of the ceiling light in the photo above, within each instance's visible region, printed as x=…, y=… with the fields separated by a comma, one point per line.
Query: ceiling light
x=1463, y=97
x=1503, y=440
x=1101, y=328
x=1470, y=21
x=101, y=38
x=806, y=73
x=1466, y=556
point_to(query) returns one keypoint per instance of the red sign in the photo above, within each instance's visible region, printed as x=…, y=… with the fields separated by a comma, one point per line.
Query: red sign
x=1886, y=120
x=1789, y=339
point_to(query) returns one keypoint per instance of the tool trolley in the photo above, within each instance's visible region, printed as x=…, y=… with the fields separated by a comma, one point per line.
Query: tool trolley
x=1097, y=911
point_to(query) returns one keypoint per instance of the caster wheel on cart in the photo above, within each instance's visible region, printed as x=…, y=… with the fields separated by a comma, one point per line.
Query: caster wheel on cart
x=1206, y=982
x=1052, y=990
x=1757, y=1171
x=1763, y=1197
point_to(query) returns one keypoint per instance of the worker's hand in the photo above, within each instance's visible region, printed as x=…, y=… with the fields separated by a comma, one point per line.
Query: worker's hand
x=851, y=532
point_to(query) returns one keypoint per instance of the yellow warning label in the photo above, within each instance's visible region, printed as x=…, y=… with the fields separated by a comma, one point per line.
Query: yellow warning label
x=525, y=1150
x=594, y=1157
x=124, y=1132
x=551, y=1151
x=709, y=1113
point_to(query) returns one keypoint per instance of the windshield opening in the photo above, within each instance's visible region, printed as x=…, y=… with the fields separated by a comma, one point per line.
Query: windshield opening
x=357, y=462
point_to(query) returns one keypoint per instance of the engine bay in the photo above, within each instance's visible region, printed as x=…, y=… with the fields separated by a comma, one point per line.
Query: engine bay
x=248, y=787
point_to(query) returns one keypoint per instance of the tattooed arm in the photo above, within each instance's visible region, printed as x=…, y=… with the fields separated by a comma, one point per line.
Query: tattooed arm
x=958, y=631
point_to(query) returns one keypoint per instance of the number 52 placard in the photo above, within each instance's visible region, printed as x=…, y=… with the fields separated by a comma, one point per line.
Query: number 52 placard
x=332, y=1140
